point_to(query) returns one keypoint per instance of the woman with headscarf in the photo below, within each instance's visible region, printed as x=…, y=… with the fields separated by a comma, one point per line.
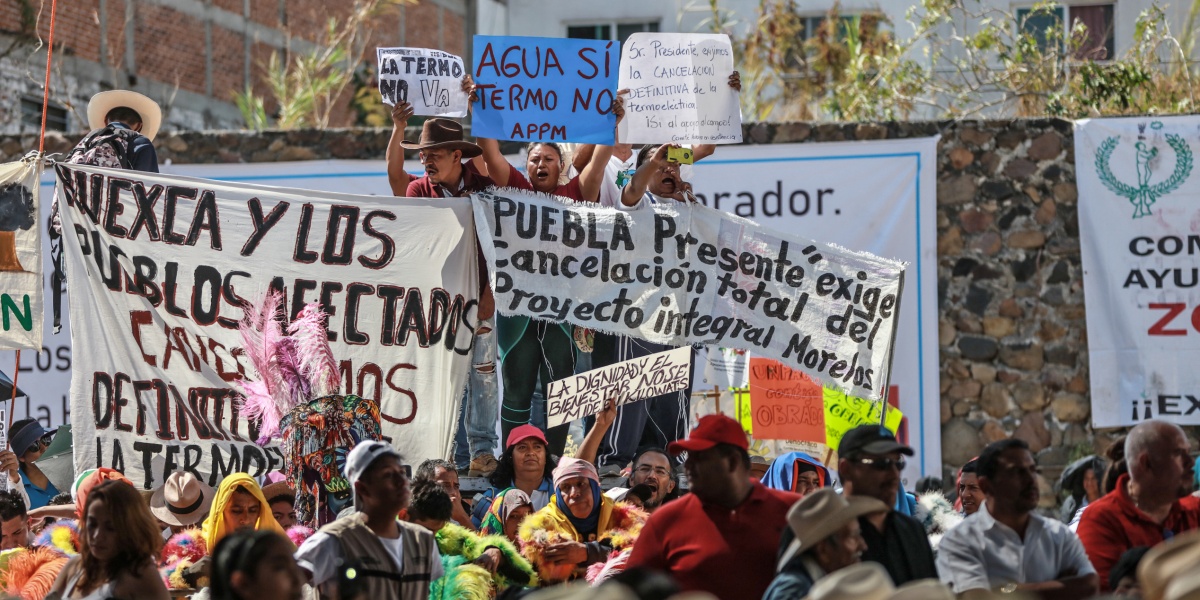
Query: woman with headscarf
x=797, y=472
x=505, y=515
x=239, y=505
x=580, y=527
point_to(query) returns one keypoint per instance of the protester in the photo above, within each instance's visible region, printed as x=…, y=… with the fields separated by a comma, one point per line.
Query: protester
x=443, y=473
x=863, y=581
x=372, y=537
x=469, y=560
x=506, y=513
x=1116, y=465
x=969, y=494
x=526, y=464
x=870, y=463
x=29, y=441
x=531, y=349
x=255, y=565
x=117, y=551
x=828, y=538
x=1081, y=482
x=442, y=149
x=282, y=500
x=126, y=122
x=579, y=527
x=1006, y=546
x=798, y=473
x=1150, y=503
x=14, y=521
x=182, y=501
x=1123, y=577
x=727, y=524
x=238, y=505
x=652, y=467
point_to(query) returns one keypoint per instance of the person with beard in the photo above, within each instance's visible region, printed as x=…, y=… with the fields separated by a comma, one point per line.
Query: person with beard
x=526, y=465
x=651, y=466
x=1150, y=503
x=870, y=464
x=1006, y=546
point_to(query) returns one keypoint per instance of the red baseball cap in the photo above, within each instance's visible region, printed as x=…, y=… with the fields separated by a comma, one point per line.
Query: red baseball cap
x=712, y=430
x=522, y=433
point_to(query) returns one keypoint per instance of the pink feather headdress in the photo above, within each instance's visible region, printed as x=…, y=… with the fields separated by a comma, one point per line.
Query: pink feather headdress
x=292, y=369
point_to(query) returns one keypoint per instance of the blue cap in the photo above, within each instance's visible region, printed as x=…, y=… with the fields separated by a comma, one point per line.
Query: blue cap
x=24, y=434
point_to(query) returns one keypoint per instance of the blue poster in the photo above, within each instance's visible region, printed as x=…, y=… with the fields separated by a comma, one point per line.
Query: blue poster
x=545, y=89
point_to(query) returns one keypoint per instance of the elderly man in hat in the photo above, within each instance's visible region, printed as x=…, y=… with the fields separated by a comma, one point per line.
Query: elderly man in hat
x=828, y=538
x=723, y=537
x=870, y=463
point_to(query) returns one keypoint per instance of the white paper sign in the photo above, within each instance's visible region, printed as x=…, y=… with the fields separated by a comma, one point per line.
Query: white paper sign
x=679, y=89
x=1139, y=206
x=430, y=80
x=636, y=379
x=157, y=290
x=20, y=257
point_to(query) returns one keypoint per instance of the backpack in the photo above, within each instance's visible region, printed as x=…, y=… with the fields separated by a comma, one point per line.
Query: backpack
x=105, y=147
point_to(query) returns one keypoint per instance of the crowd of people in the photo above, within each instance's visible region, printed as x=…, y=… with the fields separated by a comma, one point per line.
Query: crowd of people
x=693, y=512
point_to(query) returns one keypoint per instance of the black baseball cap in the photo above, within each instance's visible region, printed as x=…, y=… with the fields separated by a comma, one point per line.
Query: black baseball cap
x=872, y=439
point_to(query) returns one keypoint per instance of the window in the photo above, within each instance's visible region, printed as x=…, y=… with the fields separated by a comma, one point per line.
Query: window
x=609, y=31
x=31, y=114
x=813, y=25
x=1100, y=43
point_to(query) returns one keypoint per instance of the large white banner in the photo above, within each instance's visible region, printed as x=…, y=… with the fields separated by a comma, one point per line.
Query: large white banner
x=1139, y=206
x=681, y=273
x=158, y=267
x=20, y=257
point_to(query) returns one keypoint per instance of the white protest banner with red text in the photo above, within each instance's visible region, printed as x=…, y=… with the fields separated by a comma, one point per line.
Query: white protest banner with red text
x=20, y=257
x=682, y=273
x=1139, y=205
x=158, y=267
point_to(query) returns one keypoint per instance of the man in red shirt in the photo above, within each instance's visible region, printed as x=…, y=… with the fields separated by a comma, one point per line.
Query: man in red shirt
x=723, y=537
x=1151, y=503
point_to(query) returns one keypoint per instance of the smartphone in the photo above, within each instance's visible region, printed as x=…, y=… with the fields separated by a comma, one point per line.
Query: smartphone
x=682, y=156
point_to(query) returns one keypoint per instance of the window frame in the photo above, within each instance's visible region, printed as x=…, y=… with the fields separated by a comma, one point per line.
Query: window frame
x=1065, y=10
x=613, y=26
x=31, y=109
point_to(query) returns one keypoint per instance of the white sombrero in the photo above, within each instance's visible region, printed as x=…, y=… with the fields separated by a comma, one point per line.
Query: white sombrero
x=103, y=102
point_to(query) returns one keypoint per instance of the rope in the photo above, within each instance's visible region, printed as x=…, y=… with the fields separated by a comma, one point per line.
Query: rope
x=12, y=403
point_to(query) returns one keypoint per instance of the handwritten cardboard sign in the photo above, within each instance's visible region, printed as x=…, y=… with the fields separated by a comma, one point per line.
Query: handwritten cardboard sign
x=430, y=80
x=629, y=381
x=679, y=89
x=545, y=89
x=785, y=404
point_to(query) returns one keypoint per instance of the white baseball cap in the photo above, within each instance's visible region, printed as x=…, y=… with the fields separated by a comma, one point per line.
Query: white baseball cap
x=360, y=459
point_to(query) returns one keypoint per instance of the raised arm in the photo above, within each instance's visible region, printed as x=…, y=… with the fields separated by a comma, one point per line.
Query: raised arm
x=582, y=156
x=636, y=188
x=397, y=177
x=591, y=442
x=497, y=166
x=591, y=177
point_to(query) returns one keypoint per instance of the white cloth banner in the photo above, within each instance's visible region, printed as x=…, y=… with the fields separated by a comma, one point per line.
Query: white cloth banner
x=430, y=80
x=681, y=273
x=158, y=266
x=20, y=257
x=1139, y=205
x=679, y=89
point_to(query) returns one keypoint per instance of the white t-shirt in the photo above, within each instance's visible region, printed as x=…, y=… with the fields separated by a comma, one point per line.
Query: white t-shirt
x=982, y=553
x=319, y=555
x=610, y=188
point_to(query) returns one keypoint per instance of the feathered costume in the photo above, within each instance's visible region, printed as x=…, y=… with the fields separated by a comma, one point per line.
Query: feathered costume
x=938, y=516
x=179, y=553
x=619, y=526
x=30, y=574
x=460, y=547
x=294, y=400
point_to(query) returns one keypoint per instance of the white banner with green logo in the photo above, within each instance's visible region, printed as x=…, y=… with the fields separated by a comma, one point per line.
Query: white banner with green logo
x=1139, y=229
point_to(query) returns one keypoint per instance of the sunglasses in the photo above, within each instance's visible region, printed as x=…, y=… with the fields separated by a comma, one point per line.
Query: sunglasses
x=43, y=441
x=883, y=464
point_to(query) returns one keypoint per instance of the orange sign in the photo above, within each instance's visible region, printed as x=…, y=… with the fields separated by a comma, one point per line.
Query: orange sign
x=785, y=404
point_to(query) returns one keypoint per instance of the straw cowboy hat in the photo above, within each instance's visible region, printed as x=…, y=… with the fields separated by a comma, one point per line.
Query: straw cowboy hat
x=182, y=500
x=924, y=589
x=279, y=488
x=1184, y=587
x=863, y=581
x=103, y=102
x=1168, y=562
x=443, y=133
x=820, y=515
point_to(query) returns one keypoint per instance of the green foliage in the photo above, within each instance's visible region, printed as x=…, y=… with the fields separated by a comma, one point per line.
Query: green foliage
x=962, y=59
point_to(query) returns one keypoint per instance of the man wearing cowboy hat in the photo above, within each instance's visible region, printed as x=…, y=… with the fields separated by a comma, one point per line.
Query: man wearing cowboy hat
x=828, y=538
x=182, y=501
x=123, y=109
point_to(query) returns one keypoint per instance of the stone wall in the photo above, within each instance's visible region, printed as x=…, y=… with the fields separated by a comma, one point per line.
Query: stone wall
x=1012, y=337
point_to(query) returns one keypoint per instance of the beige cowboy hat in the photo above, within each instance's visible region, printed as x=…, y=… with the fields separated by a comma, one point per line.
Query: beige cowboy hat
x=862, y=581
x=103, y=102
x=1168, y=562
x=279, y=488
x=820, y=514
x=1184, y=587
x=443, y=133
x=924, y=589
x=182, y=500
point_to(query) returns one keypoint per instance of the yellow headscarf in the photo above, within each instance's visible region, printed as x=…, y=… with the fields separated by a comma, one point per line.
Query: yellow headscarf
x=214, y=526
